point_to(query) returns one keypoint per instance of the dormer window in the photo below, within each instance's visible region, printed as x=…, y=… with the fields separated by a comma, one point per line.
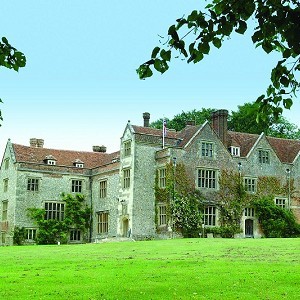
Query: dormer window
x=50, y=160
x=78, y=163
x=235, y=151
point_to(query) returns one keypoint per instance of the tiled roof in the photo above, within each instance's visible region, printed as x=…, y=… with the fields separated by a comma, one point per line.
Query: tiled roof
x=154, y=132
x=63, y=157
x=285, y=149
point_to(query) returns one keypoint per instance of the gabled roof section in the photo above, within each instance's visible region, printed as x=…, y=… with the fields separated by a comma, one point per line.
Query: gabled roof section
x=63, y=157
x=154, y=132
x=189, y=133
x=245, y=141
x=286, y=150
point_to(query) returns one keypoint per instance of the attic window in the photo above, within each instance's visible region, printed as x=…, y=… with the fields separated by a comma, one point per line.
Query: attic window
x=78, y=163
x=50, y=160
x=235, y=151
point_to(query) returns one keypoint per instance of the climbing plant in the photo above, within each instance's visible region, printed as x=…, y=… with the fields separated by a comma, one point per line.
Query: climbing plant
x=184, y=202
x=77, y=216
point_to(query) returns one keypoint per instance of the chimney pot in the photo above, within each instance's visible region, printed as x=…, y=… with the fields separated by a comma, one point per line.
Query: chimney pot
x=146, y=117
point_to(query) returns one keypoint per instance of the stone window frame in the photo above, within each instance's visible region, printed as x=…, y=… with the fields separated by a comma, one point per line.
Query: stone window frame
x=5, y=185
x=75, y=235
x=127, y=148
x=102, y=222
x=250, y=184
x=30, y=234
x=249, y=212
x=263, y=156
x=6, y=163
x=210, y=216
x=281, y=202
x=54, y=210
x=235, y=151
x=33, y=184
x=162, y=177
x=4, y=210
x=126, y=178
x=76, y=185
x=103, y=188
x=162, y=214
x=207, y=178
x=207, y=149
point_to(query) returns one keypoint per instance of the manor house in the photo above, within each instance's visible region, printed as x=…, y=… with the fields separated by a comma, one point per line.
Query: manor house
x=119, y=186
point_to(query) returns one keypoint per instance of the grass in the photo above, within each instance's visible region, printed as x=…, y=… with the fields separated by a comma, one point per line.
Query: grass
x=171, y=269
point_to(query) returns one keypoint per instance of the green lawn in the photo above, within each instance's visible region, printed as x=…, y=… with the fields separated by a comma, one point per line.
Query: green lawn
x=171, y=269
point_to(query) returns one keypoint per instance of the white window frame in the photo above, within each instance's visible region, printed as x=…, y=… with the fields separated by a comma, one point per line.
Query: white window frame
x=127, y=148
x=75, y=235
x=126, y=178
x=30, y=234
x=54, y=210
x=249, y=212
x=103, y=188
x=281, y=202
x=250, y=184
x=51, y=162
x=207, y=149
x=210, y=216
x=235, y=151
x=33, y=184
x=162, y=180
x=162, y=215
x=207, y=178
x=76, y=186
x=263, y=156
x=102, y=222
x=4, y=210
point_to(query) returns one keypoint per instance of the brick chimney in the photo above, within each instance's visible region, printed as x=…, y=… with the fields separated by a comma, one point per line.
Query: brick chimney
x=146, y=117
x=101, y=149
x=219, y=124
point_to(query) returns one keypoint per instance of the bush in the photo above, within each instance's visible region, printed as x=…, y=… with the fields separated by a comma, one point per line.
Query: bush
x=19, y=236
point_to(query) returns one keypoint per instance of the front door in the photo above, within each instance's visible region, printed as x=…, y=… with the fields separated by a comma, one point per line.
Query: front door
x=249, y=228
x=125, y=228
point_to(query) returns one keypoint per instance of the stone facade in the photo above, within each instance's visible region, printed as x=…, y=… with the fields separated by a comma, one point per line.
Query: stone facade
x=120, y=186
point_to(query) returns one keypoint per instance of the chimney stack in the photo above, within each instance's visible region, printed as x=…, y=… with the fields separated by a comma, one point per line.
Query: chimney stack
x=40, y=143
x=33, y=142
x=146, y=117
x=219, y=124
x=101, y=149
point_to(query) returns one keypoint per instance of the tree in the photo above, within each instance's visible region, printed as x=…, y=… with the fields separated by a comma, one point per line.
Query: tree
x=179, y=121
x=244, y=120
x=277, y=29
x=10, y=58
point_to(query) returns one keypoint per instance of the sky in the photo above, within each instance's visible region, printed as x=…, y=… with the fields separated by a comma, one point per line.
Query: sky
x=80, y=87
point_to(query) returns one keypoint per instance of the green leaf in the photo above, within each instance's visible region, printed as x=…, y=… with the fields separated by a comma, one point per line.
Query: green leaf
x=217, y=42
x=154, y=52
x=144, y=71
x=267, y=47
x=287, y=103
x=173, y=33
x=257, y=36
x=165, y=55
x=204, y=48
x=242, y=27
x=284, y=81
x=161, y=65
x=5, y=41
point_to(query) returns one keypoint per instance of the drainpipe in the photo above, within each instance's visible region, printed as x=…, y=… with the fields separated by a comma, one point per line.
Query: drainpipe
x=91, y=204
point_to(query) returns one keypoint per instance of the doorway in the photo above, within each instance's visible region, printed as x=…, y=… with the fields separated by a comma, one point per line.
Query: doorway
x=249, y=228
x=125, y=228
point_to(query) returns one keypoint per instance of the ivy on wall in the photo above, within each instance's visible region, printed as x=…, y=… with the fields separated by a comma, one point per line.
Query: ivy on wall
x=77, y=216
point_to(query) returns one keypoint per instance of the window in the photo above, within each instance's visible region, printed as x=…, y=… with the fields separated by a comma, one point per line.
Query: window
x=250, y=184
x=207, y=149
x=32, y=184
x=54, y=211
x=162, y=178
x=207, y=178
x=263, y=157
x=30, y=234
x=126, y=178
x=51, y=162
x=6, y=163
x=74, y=235
x=5, y=185
x=235, y=151
x=79, y=165
x=103, y=222
x=4, y=210
x=103, y=188
x=76, y=186
x=127, y=148
x=249, y=212
x=281, y=202
x=209, y=216
x=162, y=214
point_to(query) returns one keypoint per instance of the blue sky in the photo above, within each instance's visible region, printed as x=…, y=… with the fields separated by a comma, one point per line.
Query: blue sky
x=79, y=87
